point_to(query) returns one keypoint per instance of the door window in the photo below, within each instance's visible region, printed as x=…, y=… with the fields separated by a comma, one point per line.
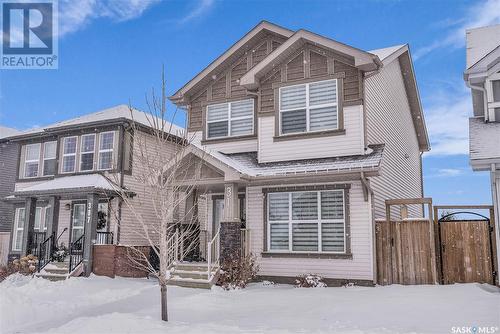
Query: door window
x=78, y=222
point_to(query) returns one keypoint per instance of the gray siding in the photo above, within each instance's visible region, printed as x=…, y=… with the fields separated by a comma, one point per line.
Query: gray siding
x=389, y=122
x=8, y=170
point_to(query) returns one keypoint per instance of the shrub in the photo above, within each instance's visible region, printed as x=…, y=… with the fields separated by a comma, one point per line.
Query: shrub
x=237, y=271
x=309, y=281
x=25, y=266
x=60, y=253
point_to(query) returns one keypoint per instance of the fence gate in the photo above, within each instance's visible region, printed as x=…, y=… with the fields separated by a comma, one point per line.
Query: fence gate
x=466, y=248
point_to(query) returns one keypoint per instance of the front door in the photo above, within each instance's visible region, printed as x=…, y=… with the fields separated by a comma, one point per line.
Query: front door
x=77, y=221
x=219, y=212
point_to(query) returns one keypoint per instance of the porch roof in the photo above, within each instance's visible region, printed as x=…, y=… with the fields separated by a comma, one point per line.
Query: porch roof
x=87, y=183
x=247, y=164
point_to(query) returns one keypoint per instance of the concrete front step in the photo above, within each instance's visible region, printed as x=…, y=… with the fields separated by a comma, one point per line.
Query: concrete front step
x=191, y=266
x=52, y=277
x=56, y=270
x=190, y=282
x=192, y=273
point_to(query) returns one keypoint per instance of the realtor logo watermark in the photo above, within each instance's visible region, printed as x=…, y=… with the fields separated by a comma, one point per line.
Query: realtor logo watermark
x=29, y=34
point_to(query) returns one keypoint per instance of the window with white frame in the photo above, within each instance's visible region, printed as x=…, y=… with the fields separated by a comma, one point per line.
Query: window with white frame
x=38, y=219
x=230, y=119
x=309, y=107
x=494, y=101
x=17, y=242
x=31, y=160
x=306, y=221
x=49, y=158
x=106, y=144
x=87, y=149
x=69, y=154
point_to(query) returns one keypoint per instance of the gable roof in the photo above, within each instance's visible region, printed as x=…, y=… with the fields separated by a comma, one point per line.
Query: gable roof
x=362, y=59
x=260, y=28
x=480, y=42
x=7, y=132
x=119, y=113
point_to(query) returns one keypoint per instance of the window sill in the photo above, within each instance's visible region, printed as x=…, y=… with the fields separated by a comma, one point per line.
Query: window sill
x=306, y=135
x=227, y=139
x=345, y=256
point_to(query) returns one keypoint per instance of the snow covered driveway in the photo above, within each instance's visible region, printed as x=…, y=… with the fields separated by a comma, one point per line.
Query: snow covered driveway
x=103, y=305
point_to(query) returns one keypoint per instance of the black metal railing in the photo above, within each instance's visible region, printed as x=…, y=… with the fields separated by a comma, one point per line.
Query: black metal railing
x=46, y=251
x=76, y=250
x=104, y=238
x=35, y=239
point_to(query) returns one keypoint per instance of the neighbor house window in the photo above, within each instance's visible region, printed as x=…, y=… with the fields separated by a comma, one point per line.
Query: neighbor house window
x=87, y=152
x=17, y=242
x=307, y=221
x=69, y=154
x=309, y=107
x=31, y=160
x=106, y=144
x=495, y=89
x=230, y=119
x=39, y=222
x=49, y=158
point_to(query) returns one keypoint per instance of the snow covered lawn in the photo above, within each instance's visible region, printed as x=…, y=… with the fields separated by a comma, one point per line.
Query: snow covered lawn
x=104, y=305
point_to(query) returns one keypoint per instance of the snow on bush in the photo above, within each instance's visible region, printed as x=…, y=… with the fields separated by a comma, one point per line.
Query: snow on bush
x=237, y=271
x=309, y=281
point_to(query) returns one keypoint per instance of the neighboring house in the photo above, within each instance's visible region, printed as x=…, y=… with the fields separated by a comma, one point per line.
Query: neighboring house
x=66, y=179
x=482, y=76
x=8, y=165
x=303, y=139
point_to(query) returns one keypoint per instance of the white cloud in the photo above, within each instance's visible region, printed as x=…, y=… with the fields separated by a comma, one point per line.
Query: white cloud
x=447, y=119
x=75, y=15
x=202, y=7
x=480, y=15
x=449, y=172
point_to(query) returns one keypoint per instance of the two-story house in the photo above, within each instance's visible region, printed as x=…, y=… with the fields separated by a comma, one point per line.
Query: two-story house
x=482, y=76
x=304, y=138
x=67, y=180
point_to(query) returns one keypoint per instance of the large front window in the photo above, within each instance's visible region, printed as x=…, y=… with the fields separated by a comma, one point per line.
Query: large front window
x=309, y=107
x=49, y=158
x=106, y=144
x=31, y=160
x=307, y=221
x=87, y=152
x=230, y=119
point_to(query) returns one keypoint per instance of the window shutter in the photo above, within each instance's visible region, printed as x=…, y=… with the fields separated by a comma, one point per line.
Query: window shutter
x=293, y=121
x=278, y=206
x=332, y=237
x=332, y=205
x=279, y=236
x=324, y=92
x=305, y=236
x=305, y=206
x=241, y=109
x=293, y=97
x=217, y=112
x=323, y=118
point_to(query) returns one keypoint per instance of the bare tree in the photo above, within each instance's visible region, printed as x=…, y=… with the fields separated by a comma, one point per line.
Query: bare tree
x=154, y=204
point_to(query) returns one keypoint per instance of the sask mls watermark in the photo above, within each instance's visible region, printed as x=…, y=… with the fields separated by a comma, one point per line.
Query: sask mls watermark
x=29, y=34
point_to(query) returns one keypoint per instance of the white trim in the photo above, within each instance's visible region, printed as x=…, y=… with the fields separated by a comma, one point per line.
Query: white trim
x=105, y=150
x=308, y=107
x=17, y=229
x=82, y=227
x=319, y=221
x=26, y=161
x=87, y=152
x=229, y=119
x=69, y=155
x=44, y=158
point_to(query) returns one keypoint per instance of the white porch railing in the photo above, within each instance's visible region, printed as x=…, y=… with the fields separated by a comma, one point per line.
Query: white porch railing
x=213, y=254
x=245, y=242
x=173, y=248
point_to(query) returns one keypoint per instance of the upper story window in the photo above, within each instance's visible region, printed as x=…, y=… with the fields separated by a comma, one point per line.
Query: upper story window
x=307, y=221
x=31, y=160
x=309, y=107
x=49, y=158
x=69, y=154
x=106, y=144
x=87, y=152
x=230, y=119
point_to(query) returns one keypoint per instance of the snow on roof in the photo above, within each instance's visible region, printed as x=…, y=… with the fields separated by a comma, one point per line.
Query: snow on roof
x=87, y=181
x=246, y=163
x=8, y=132
x=484, y=139
x=386, y=52
x=121, y=111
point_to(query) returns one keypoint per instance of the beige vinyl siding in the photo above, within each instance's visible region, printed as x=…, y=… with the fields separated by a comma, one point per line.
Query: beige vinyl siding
x=359, y=267
x=131, y=230
x=350, y=143
x=389, y=122
x=227, y=147
x=64, y=222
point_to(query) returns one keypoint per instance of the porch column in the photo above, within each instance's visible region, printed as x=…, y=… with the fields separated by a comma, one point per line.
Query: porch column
x=230, y=237
x=90, y=232
x=53, y=217
x=29, y=223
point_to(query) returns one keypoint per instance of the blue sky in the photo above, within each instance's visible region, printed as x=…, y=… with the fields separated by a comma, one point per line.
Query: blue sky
x=111, y=52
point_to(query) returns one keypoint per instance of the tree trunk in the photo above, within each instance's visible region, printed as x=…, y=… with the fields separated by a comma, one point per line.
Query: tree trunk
x=164, y=311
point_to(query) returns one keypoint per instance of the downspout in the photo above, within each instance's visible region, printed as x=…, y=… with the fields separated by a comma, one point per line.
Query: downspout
x=366, y=76
x=122, y=178
x=485, y=100
x=366, y=183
